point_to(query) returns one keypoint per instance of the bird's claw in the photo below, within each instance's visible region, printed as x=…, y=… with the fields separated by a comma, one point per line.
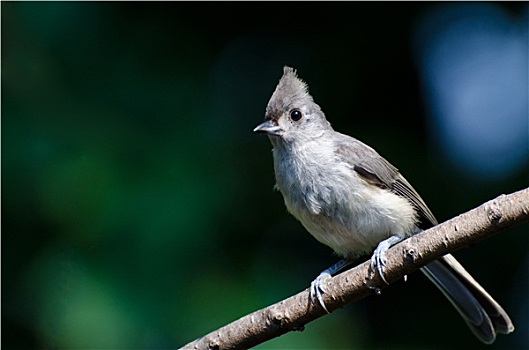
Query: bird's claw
x=317, y=289
x=378, y=260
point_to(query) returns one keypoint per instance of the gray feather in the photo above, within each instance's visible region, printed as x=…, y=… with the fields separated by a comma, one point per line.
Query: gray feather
x=377, y=171
x=479, y=310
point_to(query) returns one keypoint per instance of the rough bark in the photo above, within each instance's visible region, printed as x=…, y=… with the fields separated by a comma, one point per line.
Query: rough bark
x=404, y=258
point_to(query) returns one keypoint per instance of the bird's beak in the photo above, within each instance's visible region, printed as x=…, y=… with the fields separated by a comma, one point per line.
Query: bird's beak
x=269, y=127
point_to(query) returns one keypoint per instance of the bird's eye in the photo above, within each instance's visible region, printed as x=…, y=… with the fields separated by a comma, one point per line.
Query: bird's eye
x=296, y=115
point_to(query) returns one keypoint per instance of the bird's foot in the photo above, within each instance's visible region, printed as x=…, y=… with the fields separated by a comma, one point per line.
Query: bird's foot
x=317, y=289
x=378, y=260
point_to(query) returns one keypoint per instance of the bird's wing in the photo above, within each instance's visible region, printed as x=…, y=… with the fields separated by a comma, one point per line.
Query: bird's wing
x=377, y=171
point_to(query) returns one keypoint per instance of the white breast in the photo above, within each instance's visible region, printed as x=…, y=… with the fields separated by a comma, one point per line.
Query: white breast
x=337, y=206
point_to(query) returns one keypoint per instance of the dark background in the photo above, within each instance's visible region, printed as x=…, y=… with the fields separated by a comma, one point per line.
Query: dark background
x=137, y=204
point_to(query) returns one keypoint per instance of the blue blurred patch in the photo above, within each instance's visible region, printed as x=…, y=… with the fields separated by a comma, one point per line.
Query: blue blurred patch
x=473, y=64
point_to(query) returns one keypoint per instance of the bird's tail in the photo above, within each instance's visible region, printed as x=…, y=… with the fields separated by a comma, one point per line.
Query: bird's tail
x=484, y=315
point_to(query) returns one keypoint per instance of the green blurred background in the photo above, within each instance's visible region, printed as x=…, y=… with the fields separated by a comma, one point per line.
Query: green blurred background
x=137, y=204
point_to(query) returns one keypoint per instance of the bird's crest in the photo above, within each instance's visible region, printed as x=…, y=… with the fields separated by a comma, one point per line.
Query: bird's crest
x=289, y=89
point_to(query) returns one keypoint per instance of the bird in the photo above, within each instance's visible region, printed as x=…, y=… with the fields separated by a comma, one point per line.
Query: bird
x=353, y=200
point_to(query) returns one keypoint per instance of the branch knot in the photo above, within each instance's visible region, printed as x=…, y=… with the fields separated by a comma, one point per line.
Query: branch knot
x=277, y=318
x=494, y=213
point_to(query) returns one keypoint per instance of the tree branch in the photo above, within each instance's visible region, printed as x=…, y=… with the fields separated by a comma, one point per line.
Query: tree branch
x=402, y=259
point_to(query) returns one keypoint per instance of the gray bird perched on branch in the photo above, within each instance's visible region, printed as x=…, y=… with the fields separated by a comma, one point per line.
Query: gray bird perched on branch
x=353, y=200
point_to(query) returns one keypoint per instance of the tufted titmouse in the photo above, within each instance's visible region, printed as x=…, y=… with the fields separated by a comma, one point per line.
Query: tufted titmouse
x=353, y=200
